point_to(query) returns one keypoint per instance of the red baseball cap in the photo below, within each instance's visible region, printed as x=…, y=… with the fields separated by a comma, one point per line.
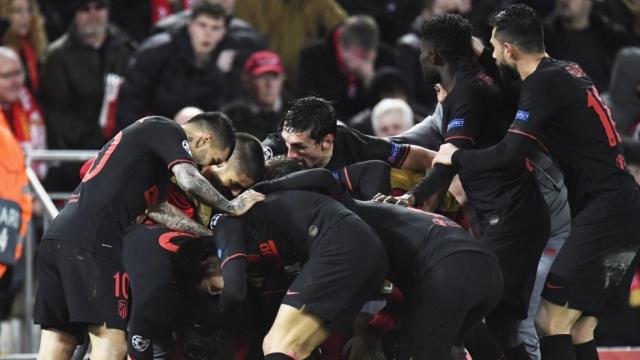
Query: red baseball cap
x=261, y=62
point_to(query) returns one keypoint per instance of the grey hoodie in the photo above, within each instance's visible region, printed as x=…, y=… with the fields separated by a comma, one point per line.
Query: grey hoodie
x=623, y=97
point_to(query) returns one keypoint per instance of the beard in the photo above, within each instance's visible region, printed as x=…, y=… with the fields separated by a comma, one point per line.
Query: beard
x=217, y=184
x=431, y=76
x=508, y=73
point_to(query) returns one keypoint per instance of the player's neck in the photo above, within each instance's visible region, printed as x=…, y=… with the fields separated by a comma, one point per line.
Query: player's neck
x=528, y=64
x=447, y=78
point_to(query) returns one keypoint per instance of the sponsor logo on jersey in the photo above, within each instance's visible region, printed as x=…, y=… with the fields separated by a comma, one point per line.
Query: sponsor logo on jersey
x=139, y=343
x=267, y=152
x=185, y=145
x=455, y=123
x=522, y=115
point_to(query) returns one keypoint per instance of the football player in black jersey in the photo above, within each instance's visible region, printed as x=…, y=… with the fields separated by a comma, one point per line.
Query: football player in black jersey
x=82, y=287
x=560, y=108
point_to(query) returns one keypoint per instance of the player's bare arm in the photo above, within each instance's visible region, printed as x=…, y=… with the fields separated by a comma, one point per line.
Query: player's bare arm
x=171, y=217
x=418, y=159
x=192, y=182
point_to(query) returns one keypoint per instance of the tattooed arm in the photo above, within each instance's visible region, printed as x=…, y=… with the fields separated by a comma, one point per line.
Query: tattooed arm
x=171, y=217
x=192, y=182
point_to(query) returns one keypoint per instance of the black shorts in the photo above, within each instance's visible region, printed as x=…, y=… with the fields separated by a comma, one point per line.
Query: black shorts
x=518, y=242
x=79, y=288
x=346, y=267
x=447, y=302
x=596, y=258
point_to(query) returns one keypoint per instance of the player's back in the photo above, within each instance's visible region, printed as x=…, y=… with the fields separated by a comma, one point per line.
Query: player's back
x=415, y=240
x=128, y=176
x=293, y=219
x=577, y=130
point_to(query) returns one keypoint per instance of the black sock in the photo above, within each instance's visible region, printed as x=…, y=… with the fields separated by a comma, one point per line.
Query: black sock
x=277, y=356
x=517, y=353
x=557, y=347
x=586, y=351
x=482, y=345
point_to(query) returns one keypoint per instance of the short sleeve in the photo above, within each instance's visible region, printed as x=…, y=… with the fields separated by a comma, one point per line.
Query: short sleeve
x=167, y=140
x=534, y=107
x=366, y=147
x=464, y=115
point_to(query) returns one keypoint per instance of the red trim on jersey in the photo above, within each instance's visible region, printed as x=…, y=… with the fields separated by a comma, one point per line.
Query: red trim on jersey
x=520, y=132
x=594, y=101
x=165, y=240
x=460, y=137
x=107, y=154
x=176, y=162
x=234, y=256
x=406, y=155
x=347, y=178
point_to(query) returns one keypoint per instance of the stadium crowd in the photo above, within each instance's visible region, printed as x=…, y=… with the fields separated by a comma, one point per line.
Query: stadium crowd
x=327, y=179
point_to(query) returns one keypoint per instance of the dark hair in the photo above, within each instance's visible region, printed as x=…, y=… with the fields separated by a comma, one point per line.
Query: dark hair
x=519, y=24
x=193, y=261
x=219, y=125
x=388, y=81
x=312, y=114
x=213, y=10
x=361, y=31
x=450, y=36
x=280, y=166
x=248, y=156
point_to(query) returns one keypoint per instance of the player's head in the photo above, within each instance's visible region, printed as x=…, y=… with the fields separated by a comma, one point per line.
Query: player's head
x=517, y=32
x=244, y=168
x=446, y=39
x=211, y=138
x=280, y=166
x=309, y=129
x=196, y=266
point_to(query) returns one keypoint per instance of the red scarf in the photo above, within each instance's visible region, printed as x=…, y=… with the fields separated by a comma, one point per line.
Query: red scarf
x=352, y=80
x=27, y=124
x=31, y=62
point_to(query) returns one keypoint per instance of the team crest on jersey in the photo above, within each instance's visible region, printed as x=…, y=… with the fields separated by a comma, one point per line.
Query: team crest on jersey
x=123, y=309
x=185, y=145
x=139, y=343
x=267, y=152
x=522, y=115
x=455, y=123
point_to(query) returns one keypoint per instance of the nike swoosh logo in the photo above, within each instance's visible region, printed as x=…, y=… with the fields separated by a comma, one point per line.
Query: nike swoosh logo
x=551, y=286
x=289, y=292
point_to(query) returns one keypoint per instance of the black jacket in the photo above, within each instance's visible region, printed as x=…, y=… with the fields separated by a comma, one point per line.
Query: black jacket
x=72, y=88
x=163, y=78
x=321, y=76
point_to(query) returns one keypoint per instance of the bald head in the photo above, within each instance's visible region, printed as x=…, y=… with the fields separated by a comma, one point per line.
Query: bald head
x=11, y=76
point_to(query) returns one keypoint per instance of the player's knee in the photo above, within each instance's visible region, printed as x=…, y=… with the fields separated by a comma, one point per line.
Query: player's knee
x=56, y=345
x=109, y=345
x=582, y=330
x=553, y=319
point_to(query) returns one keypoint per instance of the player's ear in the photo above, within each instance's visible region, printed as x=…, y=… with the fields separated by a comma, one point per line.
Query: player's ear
x=437, y=59
x=328, y=140
x=510, y=51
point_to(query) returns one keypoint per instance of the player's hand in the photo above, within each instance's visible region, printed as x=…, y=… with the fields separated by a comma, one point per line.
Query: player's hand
x=445, y=154
x=365, y=344
x=245, y=201
x=441, y=93
x=477, y=45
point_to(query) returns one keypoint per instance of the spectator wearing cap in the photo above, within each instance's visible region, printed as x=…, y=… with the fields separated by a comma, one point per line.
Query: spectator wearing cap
x=182, y=71
x=79, y=80
x=341, y=68
x=264, y=102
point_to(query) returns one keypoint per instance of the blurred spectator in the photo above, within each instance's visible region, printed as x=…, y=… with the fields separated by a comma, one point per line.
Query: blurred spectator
x=240, y=41
x=391, y=117
x=26, y=35
x=80, y=75
x=578, y=34
x=388, y=83
x=623, y=97
x=16, y=207
x=290, y=24
x=341, y=68
x=18, y=108
x=186, y=114
x=183, y=71
x=58, y=15
x=259, y=112
x=394, y=17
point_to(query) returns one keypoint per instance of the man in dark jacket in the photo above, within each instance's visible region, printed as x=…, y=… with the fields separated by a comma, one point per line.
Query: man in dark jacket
x=184, y=70
x=342, y=68
x=80, y=67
